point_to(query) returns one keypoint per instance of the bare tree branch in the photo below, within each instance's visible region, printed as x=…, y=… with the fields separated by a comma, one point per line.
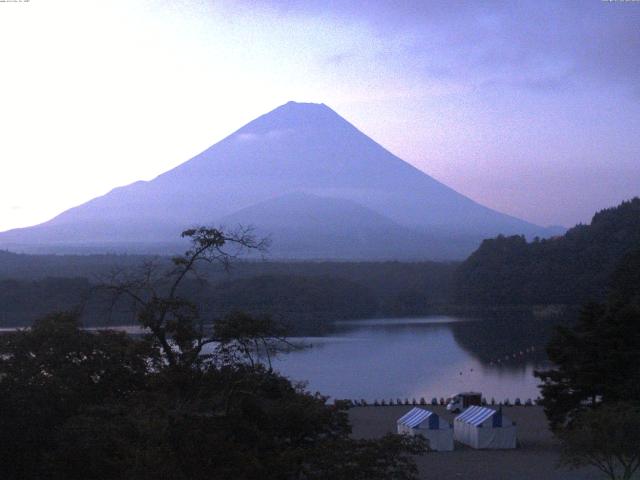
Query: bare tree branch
x=175, y=322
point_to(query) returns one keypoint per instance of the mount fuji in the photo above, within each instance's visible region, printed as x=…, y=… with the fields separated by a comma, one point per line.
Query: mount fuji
x=301, y=174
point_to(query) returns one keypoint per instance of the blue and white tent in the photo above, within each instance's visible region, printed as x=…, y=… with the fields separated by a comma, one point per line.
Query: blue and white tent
x=482, y=427
x=418, y=421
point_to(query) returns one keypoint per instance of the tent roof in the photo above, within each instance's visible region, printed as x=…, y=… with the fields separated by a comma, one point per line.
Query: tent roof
x=414, y=417
x=475, y=415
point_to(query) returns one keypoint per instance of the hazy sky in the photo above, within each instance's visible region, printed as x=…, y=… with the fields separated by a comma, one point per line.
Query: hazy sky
x=532, y=108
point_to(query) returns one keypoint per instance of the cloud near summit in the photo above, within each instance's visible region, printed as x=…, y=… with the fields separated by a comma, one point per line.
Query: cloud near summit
x=274, y=134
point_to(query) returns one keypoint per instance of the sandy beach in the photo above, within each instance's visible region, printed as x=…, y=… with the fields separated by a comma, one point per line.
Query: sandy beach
x=536, y=457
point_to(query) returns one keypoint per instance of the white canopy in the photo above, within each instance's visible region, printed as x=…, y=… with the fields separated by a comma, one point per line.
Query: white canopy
x=428, y=424
x=482, y=427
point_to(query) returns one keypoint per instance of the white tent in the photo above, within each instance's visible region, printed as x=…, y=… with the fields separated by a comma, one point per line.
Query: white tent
x=482, y=427
x=418, y=421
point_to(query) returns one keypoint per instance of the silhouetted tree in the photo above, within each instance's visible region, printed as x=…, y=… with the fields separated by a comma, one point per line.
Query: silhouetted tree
x=173, y=321
x=49, y=374
x=592, y=395
x=607, y=438
x=241, y=337
x=597, y=361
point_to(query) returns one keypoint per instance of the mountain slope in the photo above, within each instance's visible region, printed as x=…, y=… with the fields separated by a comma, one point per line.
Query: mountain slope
x=295, y=148
x=571, y=269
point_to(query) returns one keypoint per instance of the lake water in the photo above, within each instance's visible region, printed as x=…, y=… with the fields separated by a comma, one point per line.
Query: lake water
x=428, y=357
x=422, y=357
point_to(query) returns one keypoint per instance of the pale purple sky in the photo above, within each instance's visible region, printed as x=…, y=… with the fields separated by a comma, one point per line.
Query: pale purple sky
x=532, y=108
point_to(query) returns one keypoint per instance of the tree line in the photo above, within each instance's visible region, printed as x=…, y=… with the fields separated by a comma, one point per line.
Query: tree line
x=307, y=296
x=571, y=269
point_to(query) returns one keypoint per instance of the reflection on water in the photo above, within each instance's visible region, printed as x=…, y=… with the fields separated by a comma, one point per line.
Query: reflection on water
x=427, y=357
x=395, y=322
x=505, y=340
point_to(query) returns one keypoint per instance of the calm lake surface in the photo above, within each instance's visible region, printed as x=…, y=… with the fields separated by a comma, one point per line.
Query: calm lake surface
x=428, y=357
x=422, y=357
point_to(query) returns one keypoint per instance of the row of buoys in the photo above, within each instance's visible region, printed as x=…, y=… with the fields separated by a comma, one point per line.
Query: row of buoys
x=506, y=358
x=434, y=401
x=513, y=356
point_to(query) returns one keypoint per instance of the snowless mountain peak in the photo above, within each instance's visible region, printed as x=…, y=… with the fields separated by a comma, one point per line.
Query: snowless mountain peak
x=299, y=116
x=335, y=171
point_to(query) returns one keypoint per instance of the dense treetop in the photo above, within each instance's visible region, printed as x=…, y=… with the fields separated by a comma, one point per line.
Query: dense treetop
x=591, y=393
x=570, y=269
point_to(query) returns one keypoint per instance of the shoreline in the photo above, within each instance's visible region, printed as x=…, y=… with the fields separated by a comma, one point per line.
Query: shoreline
x=535, y=458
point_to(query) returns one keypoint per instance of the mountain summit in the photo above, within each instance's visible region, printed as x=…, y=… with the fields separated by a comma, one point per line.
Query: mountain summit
x=296, y=157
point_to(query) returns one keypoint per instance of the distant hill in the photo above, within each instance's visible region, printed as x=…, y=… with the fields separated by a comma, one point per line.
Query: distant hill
x=570, y=269
x=297, y=158
x=305, y=226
